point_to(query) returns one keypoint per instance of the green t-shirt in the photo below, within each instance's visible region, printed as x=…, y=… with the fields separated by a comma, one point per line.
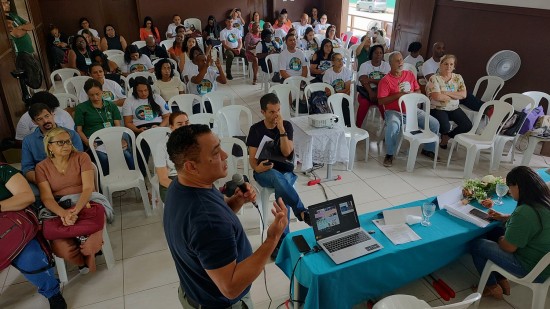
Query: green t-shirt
x=24, y=43
x=92, y=119
x=6, y=172
x=362, y=57
x=532, y=240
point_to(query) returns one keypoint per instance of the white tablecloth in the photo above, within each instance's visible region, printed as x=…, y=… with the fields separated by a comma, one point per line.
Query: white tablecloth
x=319, y=145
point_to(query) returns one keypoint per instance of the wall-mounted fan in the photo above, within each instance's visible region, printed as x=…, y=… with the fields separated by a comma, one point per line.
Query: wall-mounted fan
x=504, y=64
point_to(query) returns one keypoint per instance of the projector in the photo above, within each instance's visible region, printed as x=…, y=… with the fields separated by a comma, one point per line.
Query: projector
x=322, y=120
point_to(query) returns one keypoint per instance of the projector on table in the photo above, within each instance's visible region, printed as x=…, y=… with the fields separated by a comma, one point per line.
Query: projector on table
x=323, y=120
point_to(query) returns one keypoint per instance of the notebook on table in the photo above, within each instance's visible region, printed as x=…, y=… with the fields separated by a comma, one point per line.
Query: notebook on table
x=337, y=230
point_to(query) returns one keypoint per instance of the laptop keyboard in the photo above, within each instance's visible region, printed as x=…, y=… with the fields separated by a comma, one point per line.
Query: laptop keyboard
x=348, y=241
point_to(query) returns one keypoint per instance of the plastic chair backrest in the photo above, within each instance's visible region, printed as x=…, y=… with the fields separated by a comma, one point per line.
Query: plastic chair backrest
x=193, y=21
x=75, y=84
x=410, y=67
x=118, y=59
x=387, y=57
x=217, y=98
x=136, y=74
x=309, y=54
x=317, y=87
x=349, y=36
x=202, y=118
x=139, y=44
x=535, y=272
x=229, y=118
x=320, y=37
x=185, y=102
x=352, y=51
x=502, y=111
x=64, y=74
x=296, y=81
x=284, y=92
x=167, y=43
x=335, y=102
x=200, y=43
x=112, y=52
x=538, y=96
x=66, y=100
x=274, y=60
x=410, y=102
x=153, y=137
x=111, y=138
x=232, y=165
x=519, y=101
x=494, y=85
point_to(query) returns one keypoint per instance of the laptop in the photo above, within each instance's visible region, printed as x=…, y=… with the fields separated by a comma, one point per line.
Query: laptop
x=337, y=230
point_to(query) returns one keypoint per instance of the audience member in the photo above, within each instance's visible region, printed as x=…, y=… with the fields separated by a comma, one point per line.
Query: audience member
x=524, y=237
x=274, y=174
x=188, y=44
x=176, y=51
x=314, y=19
x=95, y=114
x=32, y=151
x=321, y=60
x=211, y=33
x=302, y=26
x=362, y=51
x=152, y=50
x=283, y=22
x=431, y=66
x=250, y=43
x=149, y=29
x=292, y=61
x=110, y=68
x=26, y=125
x=233, y=44
x=370, y=73
x=265, y=48
x=213, y=256
x=168, y=84
x=255, y=18
x=32, y=261
x=415, y=58
x=18, y=29
x=445, y=88
x=112, y=40
x=393, y=86
x=80, y=56
x=134, y=61
x=205, y=78
x=176, y=22
x=268, y=26
x=111, y=90
x=164, y=167
x=322, y=26
x=93, y=42
x=191, y=69
x=57, y=44
x=339, y=77
x=85, y=25
x=309, y=42
x=331, y=35
x=237, y=20
x=69, y=173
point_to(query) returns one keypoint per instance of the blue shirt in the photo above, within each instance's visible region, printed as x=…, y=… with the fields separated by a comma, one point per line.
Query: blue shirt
x=203, y=233
x=32, y=151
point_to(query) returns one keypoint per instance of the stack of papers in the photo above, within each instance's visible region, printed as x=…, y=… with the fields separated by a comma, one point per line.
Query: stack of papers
x=397, y=233
x=452, y=202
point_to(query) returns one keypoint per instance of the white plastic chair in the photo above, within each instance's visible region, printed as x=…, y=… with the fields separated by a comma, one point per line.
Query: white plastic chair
x=534, y=140
x=118, y=59
x=353, y=133
x=411, y=101
x=410, y=302
x=227, y=144
x=309, y=54
x=540, y=290
x=349, y=36
x=106, y=248
x=410, y=67
x=167, y=43
x=217, y=98
x=519, y=103
x=74, y=85
x=139, y=44
x=193, y=21
x=185, y=102
x=316, y=87
x=204, y=118
x=64, y=74
x=136, y=74
x=66, y=100
x=494, y=85
x=120, y=176
x=112, y=52
x=266, y=77
x=474, y=142
x=538, y=96
x=229, y=120
x=320, y=38
x=284, y=92
x=153, y=137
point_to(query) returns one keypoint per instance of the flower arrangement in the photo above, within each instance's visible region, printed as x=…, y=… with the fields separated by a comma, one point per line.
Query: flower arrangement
x=481, y=189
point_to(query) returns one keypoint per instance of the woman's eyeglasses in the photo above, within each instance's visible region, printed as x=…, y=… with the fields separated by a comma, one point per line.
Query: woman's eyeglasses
x=62, y=143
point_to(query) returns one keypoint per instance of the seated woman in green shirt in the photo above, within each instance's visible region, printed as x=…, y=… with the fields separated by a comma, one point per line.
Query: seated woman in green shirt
x=524, y=240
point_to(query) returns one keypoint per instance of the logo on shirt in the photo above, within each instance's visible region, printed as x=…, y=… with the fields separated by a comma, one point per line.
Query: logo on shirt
x=205, y=86
x=295, y=64
x=313, y=46
x=270, y=47
x=324, y=65
x=405, y=87
x=232, y=38
x=108, y=95
x=339, y=84
x=376, y=75
x=145, y=112
x=419, y=65
x=138, y=67
x=237, y=25
x=335, y=44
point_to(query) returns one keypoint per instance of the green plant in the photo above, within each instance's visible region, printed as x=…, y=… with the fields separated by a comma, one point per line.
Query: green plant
x=481, y=189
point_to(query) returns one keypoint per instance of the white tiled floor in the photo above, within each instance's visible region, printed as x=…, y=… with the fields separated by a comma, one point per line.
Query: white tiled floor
x=144, y=275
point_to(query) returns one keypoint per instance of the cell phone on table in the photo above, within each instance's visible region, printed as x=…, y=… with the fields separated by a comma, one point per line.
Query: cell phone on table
x=416, y=132
x=480, y=214
x=301, y=243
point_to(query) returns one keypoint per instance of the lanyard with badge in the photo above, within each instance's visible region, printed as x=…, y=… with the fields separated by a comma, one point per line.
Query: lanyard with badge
x=106, y=122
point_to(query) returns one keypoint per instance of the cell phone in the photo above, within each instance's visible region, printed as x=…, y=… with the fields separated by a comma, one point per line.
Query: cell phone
x=267, y=163
x=480, y=214
x=416, y=132
x=301, y=243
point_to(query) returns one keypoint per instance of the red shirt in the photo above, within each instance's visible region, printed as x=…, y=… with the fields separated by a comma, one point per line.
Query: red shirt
x=390, y=85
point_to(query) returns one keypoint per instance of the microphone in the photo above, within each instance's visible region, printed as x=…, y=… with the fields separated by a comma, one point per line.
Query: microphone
x=239, y=181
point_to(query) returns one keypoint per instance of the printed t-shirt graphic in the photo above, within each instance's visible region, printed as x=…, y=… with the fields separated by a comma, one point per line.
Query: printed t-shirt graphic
x=108, y=95
x=205, y=86
x=137, y=67
x=338, y=84
x=231, y=37
x=325, y=65
x=144, y=112
x=295, y=64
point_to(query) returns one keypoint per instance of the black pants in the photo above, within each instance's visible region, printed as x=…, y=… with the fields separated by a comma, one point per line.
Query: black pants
x=471, y=102
x=458, y=116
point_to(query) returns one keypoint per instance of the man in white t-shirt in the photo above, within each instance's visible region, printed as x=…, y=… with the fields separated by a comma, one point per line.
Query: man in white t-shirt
x=233, y=44
x=171, y=32
x=302, y=26
x=431, y=66
x=292, y=61
x=111, y=89
x=205, y=79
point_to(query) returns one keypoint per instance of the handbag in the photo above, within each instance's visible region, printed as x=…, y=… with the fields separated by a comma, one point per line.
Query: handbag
x=17, y=228
x=90, y=220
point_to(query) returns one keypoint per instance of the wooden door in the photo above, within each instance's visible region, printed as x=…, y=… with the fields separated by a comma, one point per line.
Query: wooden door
x=412, y=22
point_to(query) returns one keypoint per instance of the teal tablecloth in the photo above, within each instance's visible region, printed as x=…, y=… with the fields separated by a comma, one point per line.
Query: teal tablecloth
x=342, y=286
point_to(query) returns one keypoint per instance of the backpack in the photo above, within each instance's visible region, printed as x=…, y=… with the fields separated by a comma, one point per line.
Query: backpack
x=513, y=125
x=318, y=103
x=17, y=228
x=531, y=119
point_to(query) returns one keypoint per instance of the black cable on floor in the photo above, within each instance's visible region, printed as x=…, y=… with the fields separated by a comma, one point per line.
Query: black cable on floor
x=262, y=238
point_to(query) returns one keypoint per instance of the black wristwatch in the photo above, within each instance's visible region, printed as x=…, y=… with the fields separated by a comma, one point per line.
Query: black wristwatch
x=283, y=134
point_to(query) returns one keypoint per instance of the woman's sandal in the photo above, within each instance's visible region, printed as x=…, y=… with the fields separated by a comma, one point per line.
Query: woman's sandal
x=494, y=291
x=505, y=285
x=254, y=82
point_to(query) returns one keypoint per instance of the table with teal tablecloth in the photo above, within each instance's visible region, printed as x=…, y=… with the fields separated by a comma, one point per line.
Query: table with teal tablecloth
x=342, y=286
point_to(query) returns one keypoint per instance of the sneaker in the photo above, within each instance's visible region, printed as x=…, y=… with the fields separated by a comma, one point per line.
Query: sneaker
x=57, y=302
x=276, y=77
x=83, y=270
x=388, y=161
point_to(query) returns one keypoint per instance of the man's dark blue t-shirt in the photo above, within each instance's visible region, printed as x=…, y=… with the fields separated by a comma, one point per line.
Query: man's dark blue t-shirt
x=203, y=233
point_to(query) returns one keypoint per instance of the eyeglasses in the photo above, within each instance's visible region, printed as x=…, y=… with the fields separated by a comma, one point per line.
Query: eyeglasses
x=62, y=143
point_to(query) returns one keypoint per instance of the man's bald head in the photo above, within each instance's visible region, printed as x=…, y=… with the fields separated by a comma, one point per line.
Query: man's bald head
x=438, y=50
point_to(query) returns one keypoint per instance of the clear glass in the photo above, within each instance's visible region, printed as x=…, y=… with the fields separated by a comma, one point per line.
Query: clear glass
x=428, y=209
x=501, y=189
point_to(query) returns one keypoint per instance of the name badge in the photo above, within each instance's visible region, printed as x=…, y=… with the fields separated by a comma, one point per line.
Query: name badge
x=88, y=61
x=106, y=124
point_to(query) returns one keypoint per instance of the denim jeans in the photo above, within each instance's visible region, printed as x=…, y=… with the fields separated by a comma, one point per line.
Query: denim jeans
x=32, y=258
x=393, y=129
x=283, y=183
x=105, y=162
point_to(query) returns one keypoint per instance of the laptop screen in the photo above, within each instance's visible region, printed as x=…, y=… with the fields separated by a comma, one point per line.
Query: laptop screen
x=334, y=216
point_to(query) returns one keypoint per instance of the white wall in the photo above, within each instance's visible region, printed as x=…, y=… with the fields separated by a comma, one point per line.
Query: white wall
x=535, y=4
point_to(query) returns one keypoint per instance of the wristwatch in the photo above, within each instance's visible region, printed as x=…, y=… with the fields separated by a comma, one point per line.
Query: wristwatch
x=283, y=134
